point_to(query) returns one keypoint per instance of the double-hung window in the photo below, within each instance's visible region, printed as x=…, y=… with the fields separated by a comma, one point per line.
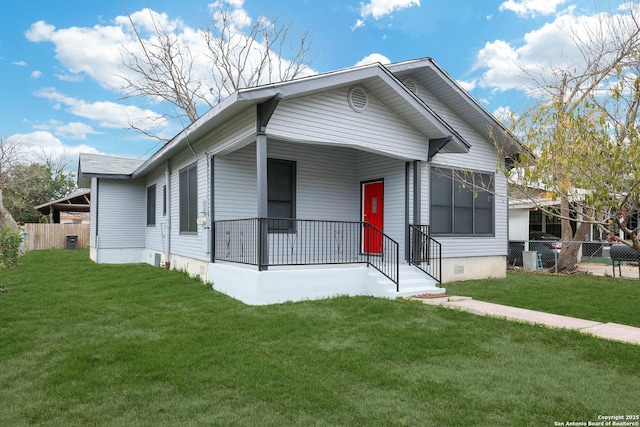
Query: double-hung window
x=188, y=187
x=281, y=189
x=462, y=202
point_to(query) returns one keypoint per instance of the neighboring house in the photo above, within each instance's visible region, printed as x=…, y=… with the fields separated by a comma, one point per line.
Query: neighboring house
x=322, y=186
x=73, y=209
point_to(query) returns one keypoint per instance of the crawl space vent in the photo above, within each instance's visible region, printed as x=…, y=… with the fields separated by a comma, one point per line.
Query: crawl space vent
x=358, y=98
x=411, y=85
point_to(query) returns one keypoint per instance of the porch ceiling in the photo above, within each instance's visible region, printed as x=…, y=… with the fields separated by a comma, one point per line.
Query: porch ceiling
x=231, y=148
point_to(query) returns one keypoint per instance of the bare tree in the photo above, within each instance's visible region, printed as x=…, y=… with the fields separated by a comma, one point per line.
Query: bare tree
x=232, y=55
x=585, y=133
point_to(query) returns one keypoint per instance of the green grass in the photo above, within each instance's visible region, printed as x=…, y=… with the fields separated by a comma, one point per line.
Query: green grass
x=603, y=299
x=84, y=344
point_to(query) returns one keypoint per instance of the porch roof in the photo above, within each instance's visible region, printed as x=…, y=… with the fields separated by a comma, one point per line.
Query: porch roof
x=78, y=201
x=374, y=77
x=383, y=81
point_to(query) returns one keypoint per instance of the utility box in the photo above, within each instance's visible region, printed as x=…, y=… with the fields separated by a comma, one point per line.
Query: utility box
x=530, y=260
x=72, y=241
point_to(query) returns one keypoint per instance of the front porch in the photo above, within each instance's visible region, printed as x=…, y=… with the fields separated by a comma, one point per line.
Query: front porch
x=269, y=260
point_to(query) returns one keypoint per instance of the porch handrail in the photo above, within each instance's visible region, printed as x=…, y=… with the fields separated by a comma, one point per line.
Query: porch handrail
x=425, y=251
x=266, y=242
x=388, y=261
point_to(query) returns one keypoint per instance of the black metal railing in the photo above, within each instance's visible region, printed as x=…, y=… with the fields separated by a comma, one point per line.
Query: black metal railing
x=266, y=242
x=425, y=252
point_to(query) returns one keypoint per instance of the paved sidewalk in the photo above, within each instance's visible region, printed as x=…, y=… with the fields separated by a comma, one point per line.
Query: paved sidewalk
x=610, y=331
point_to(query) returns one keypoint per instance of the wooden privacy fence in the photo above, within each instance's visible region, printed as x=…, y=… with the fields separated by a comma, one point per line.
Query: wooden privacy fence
x=56, y=236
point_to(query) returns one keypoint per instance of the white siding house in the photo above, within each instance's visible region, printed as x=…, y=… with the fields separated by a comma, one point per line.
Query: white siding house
x=316, y=187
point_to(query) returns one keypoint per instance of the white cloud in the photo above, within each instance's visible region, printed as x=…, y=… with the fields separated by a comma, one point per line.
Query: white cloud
x=235, y=13
x=504, y=114
x=107, y=114
x=359, y=23
x=380, y=8
x=551, y=47
x=94, y=51
x=19, y=63
x=148, y=20
x=373, y=58
x=468, y=85
x=97, y=51
x=500, y=61
x=532, y=8
x=69, y=77
x=36, y=74
x=40, y=31
x=42, y=142
x=73, y=130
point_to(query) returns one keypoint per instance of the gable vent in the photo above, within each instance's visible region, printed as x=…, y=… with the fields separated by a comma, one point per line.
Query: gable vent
x=358, y=98
x=411, y=85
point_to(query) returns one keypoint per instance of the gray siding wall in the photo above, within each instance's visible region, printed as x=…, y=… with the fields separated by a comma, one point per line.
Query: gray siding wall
x=190, y=244
x=482, y=157
x=122, y=214
x=155, y=235
x=327, y=118
x=328, y=184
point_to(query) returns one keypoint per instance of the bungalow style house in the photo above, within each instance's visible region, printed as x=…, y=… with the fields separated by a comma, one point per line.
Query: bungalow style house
x=344, y=183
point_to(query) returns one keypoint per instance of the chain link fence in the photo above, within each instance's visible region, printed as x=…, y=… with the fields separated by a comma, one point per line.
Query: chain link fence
x=615, y=255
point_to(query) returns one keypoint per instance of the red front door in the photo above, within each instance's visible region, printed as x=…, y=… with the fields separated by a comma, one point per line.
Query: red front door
x=372, y=213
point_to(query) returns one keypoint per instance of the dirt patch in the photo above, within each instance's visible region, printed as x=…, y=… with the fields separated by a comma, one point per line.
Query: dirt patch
x=598, y=269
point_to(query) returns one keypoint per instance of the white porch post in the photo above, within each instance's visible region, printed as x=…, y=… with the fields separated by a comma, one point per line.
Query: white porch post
x=263, y=200
x=261, y=166
x=417, y=192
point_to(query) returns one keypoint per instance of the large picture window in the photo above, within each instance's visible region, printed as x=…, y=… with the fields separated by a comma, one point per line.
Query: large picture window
x=281, y=189
x=189, y=199
x=151, y=205
x=462, y=202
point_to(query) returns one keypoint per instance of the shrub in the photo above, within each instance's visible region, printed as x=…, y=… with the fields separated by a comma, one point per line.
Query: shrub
x=10, y=241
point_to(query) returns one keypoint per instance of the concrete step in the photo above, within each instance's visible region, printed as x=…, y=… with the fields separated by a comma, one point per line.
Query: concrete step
x=413, y=281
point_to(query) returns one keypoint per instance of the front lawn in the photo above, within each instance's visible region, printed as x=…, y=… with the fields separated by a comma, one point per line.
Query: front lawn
x=84, y=345
x=603, y=299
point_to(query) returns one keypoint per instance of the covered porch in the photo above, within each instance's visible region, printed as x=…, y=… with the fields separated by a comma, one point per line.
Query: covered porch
x=323, y=234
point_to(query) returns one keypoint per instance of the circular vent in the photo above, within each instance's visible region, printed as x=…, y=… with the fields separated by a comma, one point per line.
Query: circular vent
x=411, y=85
x=358, y=98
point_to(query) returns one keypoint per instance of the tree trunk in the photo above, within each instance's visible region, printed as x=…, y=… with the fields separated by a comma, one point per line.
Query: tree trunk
x=568, y=257
x=6, y=219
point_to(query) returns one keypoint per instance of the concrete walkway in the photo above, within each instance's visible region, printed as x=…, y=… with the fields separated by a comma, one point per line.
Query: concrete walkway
x=610, y=331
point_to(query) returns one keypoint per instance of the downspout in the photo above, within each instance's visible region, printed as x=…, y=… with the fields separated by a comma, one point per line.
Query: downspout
x=167, y=175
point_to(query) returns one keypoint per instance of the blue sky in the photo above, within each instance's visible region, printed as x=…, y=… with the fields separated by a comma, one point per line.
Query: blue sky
x=59, y=59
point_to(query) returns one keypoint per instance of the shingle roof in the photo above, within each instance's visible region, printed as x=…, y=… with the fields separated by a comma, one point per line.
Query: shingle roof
x=101, y=165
